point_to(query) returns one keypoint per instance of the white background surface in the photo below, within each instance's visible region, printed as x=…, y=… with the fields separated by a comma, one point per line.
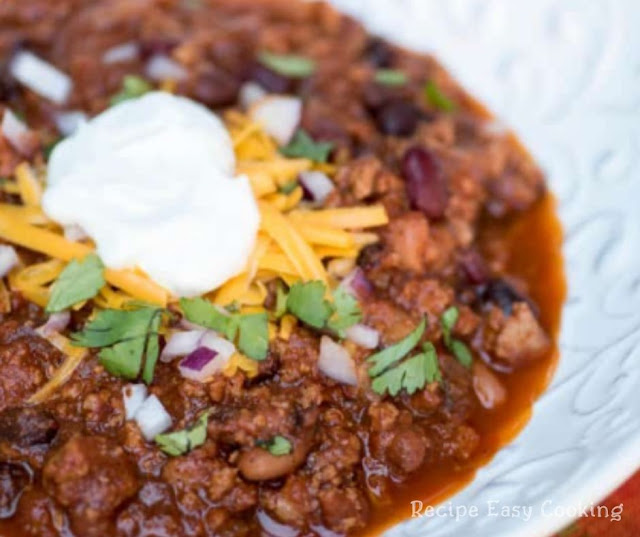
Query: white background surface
x=566, y=76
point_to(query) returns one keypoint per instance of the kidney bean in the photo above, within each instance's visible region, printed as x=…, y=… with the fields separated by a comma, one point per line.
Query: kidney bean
x=379, y=53
x=270, y=80
x=425, y=182
x=27, y=426
x=473, y=267
x=216, y=88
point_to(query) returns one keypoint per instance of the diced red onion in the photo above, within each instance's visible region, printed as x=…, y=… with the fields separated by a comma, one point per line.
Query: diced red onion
x=69, y=122
x=124, y=52
x=133, y=396
x=56, y=322
x=152, y=418
x=181, y=344
x=357, y=284
x=161, y=67
x=18, y=134
x=222, y=346
x=74, y=233
x=250, y=93
x=363, y=336
x=316, y=185
x=211, y=356
x=335, y=362
x=8, y=259
x=279, y=115
x=41, y=77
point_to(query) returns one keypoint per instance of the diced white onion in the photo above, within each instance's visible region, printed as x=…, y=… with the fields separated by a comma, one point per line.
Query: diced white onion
x=181, y=344
x=17, y=133
x=124, y=52
x=335, y=362
x=69, y=122
x=152, y=418
x=250, y=93
x=161, y=67
x=133, y=396
x=279, y=116
x=41, y=77
x=74, y=233
x=317, y=184
x=8, y=259
x=364, y=336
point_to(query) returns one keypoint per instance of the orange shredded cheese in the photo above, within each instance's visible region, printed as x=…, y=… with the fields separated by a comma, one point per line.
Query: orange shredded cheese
x=28, y=184
x=344, y=217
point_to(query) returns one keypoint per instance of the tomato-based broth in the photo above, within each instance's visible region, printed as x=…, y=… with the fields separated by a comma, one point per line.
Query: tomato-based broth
x=261, y=273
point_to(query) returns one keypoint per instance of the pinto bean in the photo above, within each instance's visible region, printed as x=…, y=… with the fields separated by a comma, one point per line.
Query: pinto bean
x=490, y=391
x=257, y=464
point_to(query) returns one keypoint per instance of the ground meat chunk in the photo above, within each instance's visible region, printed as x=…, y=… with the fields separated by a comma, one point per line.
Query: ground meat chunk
x=91, y=476
x=291, y=504
x=519, y=339
x=407, y=450
x=344, y=510
x=406, y=241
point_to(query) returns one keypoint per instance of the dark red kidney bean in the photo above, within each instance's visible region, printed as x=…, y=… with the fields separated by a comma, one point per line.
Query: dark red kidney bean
x=14, y=478
x=375, y=95
x=216, y=89
x=501, y=294
x=473, y=267
x=149, y=47
x=27, y=426
x=398, y=118
x=379, y=53
x=426, y=183
x=270, y=80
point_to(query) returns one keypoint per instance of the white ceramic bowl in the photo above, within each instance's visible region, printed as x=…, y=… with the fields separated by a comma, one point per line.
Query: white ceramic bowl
x=565, y=74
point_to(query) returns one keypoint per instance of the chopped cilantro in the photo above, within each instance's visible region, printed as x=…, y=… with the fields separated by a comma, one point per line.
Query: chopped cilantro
x=390, y=77
x=132, y=86
x=306, y=301
x=448, y=321
x=254, y=330
x=346, y=312
x=126, y=339
x=303, y=146
x=412, y=374
x=289, y=187
x=289, y=65
x=80, y=280
x=461, y=352
x=386, y=358
x=254, y=335
x=438, y=99
x=204, y=313
x=278, y=446
x=181, y=442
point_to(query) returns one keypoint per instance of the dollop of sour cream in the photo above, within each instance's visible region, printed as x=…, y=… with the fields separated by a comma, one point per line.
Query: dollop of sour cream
x=152, y=182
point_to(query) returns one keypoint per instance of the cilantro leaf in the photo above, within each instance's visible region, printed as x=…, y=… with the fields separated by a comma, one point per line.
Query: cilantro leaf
x=306, y=301
x=347, y=312
x=458, y=348
x=254, y=335
x=303, y=146
x=278, y=445
x=461, y=352
x=289, y=65
x=289, y=187
x=412, y=374
x=448, y=320
x=204, y=313
x=390, y=77
x=438, y=99
x=132, y=86
x=389, y=356
x=181, y=442
x=126, y=338
x=80, y=280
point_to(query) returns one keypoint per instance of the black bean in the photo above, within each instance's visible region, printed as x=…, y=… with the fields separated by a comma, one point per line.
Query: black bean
x=27, y=426
x=426, y=183
x=379, y=53
x=501, y=294
x=398, y=118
